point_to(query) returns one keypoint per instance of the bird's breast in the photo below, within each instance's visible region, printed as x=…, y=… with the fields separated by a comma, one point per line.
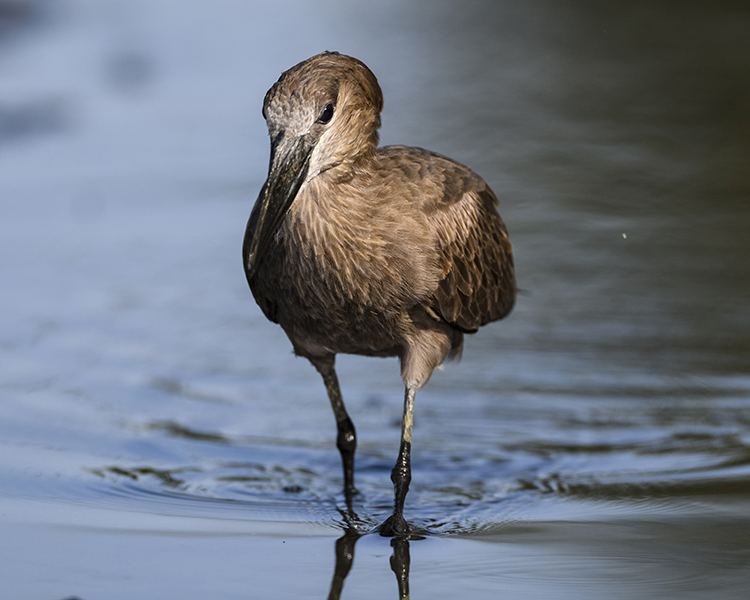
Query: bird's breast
x=345, y=271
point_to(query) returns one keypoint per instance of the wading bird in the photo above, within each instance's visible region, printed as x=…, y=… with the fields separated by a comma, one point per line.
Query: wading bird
x=355, y=249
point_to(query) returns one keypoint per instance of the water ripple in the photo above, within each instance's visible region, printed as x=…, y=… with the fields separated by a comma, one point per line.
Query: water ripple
x=457, y=494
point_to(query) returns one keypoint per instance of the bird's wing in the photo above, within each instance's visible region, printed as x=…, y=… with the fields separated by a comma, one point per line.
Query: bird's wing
x=477, y=280
x=478, y=283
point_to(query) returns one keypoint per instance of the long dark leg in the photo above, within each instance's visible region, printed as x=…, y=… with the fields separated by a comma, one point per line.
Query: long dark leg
x=346, y=440
x=401, y=473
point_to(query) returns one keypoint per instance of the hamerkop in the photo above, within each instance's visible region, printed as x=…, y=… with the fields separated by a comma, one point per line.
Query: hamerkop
x=356, y=249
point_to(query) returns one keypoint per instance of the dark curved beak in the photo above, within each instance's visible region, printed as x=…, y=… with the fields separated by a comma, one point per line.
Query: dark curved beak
x=290, y=159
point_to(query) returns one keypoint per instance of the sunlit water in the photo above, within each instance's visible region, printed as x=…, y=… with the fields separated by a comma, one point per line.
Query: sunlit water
x=158, y=438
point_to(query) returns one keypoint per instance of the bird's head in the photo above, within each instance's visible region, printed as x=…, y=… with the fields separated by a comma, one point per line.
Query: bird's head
x=321, y=114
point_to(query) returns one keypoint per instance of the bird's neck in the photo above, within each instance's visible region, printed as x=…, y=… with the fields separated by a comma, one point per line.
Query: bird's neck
x=325, y=209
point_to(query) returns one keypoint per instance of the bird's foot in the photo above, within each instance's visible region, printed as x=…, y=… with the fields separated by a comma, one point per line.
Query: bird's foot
x=349, y=492
x=395, y=526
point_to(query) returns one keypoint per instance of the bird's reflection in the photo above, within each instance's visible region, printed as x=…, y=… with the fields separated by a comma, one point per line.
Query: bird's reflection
x=400, y=565
x=344, y=559
x=399, y=560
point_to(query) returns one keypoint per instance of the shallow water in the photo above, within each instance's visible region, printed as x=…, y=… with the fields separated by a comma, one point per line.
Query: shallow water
x=157, y=437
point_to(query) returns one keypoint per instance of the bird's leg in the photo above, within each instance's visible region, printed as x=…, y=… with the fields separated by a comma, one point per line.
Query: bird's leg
x=396, y=525
x=346, y=440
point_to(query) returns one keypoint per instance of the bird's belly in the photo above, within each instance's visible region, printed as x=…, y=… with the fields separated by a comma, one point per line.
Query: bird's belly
x=343, y=330
x=322, y=313
x=325, y=323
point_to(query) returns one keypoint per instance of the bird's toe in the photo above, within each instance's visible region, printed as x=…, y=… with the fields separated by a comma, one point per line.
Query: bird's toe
x=395, y=526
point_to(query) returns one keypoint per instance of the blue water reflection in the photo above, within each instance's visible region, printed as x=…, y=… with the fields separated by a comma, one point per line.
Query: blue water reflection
x=158, y=429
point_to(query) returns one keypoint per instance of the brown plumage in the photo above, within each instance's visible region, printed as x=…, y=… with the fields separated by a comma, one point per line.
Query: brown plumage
x=355, y=249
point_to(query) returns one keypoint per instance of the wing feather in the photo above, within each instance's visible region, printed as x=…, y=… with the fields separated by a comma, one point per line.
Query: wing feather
x=475, y=279
x=476, y=258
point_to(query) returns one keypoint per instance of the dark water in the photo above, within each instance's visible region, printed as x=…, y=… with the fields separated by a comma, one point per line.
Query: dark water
x=159, y=440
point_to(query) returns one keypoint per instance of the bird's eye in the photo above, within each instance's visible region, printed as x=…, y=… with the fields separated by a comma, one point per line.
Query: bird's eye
x=327, y=114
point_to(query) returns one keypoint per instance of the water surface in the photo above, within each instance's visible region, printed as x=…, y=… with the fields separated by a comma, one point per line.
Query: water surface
x=158, y=438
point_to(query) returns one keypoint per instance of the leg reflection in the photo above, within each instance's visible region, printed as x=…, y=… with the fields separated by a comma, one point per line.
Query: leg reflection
x=344, y=559
x=400, y=565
